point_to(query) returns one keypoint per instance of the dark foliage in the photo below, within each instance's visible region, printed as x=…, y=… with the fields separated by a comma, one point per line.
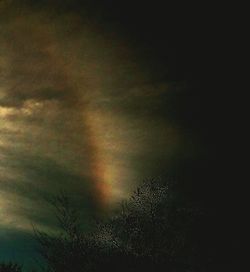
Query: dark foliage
x=10, y=267
x=67, y=248
x=153, y=230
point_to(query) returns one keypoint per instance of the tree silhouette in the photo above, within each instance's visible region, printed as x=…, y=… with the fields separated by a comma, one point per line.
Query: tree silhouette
x=10, y=267
x=150, y=230
x=67, y=248
x=153, y=230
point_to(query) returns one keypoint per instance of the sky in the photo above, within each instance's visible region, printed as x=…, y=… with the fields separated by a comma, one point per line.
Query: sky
x=81, y=111
x=96, y=96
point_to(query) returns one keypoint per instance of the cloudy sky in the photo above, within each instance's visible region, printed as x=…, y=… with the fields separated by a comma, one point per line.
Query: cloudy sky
x=87, y=105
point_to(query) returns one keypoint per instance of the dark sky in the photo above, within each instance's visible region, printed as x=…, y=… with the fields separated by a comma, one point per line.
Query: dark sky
x=97, y=95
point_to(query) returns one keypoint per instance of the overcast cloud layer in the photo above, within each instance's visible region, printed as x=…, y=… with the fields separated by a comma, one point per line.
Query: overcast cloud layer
x=79, y=111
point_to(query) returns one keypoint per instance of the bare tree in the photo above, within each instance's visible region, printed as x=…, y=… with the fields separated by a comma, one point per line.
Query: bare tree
x=61, y=251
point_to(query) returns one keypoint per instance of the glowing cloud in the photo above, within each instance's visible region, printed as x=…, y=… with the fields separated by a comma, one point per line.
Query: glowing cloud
x=76, y=113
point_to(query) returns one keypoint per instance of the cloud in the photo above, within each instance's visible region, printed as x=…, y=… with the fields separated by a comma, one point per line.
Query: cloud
x=78, y=111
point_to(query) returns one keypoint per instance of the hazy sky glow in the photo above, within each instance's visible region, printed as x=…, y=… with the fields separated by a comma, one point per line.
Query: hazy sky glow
x=79, y=111
x=97, y=95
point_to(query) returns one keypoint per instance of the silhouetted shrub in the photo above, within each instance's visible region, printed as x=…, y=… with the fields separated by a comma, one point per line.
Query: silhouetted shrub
x=150, y=231
x=67, y=248
x=10, y=267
